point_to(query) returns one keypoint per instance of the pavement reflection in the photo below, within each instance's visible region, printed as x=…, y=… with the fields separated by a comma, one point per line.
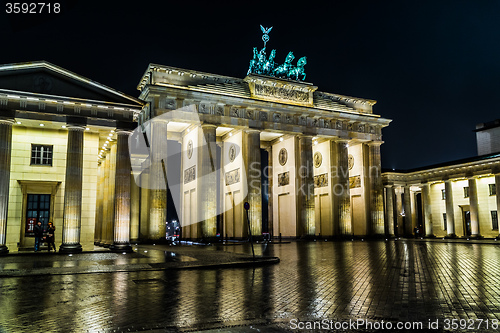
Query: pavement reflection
x=372, y=280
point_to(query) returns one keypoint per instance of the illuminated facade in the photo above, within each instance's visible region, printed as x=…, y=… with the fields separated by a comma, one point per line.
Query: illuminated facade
x=52, y=127
x=321, y=172
x=454, y=199
x=65, y=143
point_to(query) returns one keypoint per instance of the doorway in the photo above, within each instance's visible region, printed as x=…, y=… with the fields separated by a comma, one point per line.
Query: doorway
x=37, y=210
x=466, y=219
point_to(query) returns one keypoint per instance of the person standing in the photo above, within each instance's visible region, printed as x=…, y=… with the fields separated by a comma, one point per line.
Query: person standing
x=50, y=236
x=38, y=230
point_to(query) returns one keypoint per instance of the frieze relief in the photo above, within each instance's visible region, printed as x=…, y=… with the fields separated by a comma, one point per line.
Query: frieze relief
x=321, y=180
x=249, y=114
x=219, y=110
x=232, y=177
x=190, y=174
x=277, y=117
x=284, y=178
x=281, y=93
x=234, y=112
x=263, y=115
x=355, y=182
x=314, y=122
x=170, y=103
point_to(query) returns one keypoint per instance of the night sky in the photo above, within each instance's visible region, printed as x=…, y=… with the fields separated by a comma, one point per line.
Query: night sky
x=433, y=66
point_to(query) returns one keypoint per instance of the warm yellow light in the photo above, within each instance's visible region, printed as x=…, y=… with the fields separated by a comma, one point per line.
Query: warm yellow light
x=63, y=126
x=42, y=125
x=18, y=122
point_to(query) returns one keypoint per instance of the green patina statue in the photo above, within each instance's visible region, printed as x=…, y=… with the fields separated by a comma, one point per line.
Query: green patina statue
x=260, y=64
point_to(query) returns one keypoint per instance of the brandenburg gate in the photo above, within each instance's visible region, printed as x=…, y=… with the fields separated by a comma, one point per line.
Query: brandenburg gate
x=307, y=162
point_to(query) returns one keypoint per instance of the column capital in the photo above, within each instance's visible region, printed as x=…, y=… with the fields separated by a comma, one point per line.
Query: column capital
x=7, y=121
x=123, y=132
x=375, y=143
x=206, y=125
x=74, y=127
x=341, y=140
x=251, y=130
x=159, y=120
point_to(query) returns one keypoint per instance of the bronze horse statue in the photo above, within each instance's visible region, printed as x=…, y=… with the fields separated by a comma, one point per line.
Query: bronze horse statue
x=295, y=72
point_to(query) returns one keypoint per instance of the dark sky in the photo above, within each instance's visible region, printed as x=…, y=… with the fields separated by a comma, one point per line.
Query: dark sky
x=433, y=66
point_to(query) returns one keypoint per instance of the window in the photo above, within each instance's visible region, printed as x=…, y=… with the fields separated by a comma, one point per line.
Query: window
x=444, y=221
x=466, y=192
x=494, y=220
x=41, y=155
x=443, y=194
x=493, y=189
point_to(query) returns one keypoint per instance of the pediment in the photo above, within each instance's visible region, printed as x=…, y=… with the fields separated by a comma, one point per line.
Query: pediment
x=47, y=79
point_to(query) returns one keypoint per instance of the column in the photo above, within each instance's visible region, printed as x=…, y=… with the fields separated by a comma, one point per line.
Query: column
x=408, y=226
x=426, y=204
x=474, y=209
x=98, y=211
x=450, y=212
x=305, y=192
x=73, y=192
x=121, y=225
x=376, y=189
x=269, y=172
x=157, y=182
x=105, y=198
x=389, y=202
x=398, y=210
x=5, y=153
x=144, y=214
x=497, y=187
x=110, y=216
x=134, y=209
x=207, y=180
x=251, y=158
x=342, y=191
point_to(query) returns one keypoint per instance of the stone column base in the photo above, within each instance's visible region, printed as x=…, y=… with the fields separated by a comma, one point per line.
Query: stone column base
x=475, y=237
x=70, y=248
x=3, y=250
x=121, y=248
x=451, y=236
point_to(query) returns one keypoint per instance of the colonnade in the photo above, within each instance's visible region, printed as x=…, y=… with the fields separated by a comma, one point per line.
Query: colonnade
x=113, y=209
x=396, y=209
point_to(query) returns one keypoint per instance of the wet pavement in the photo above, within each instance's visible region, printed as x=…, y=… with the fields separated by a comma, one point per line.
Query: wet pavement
x=454, y=285
x=144, y=258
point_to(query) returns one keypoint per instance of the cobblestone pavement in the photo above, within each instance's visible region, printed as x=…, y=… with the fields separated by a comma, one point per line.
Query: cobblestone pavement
x=403, y=281
x=145, y=258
